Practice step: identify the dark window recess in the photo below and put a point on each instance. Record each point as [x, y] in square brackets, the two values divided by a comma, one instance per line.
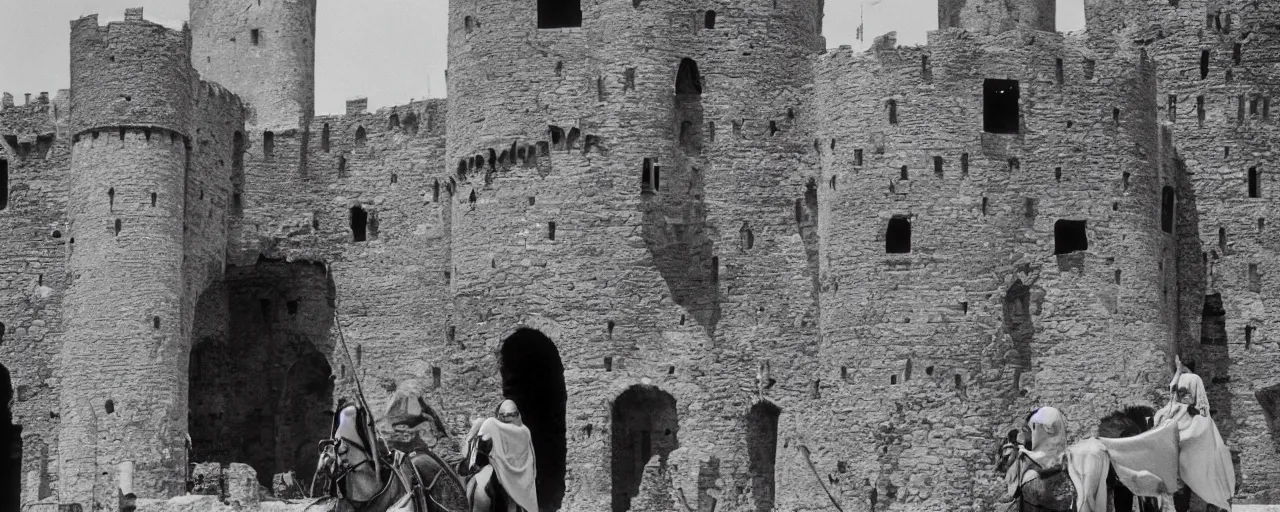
[926, 72]
[1204, 64]
[857, 157]
[688, 79]
[985, 203]
[255, 35]
[1089, 66]
[1069, 236]
[1167, 204]
[435, 376]
[937, 165]
[435, 191]
[904, 174]
[559, 13]
[964, 163]
[551, 230]
[1235, 53]
[1059, 74]
[359, 223]
[268, 144]
[361, 136]
[1222, 241]
[1200, 108]
[153, 199]
[4, 184]
[709, 20]
[715, 269]
[1000, 106]
[1213, 321]
[1255, 185]
[342, 166]
[897, 239]
[892, 105]
[1173, 108]
[118, 226]
[324, 138]
[646, 177]
[394, 121]
[1057, 174]
[657, 177]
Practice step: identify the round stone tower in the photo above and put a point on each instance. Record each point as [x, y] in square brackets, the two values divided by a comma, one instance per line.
[124, 352]
[262, 51]
[655, 152]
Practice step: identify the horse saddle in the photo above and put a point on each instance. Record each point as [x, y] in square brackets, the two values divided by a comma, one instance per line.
[1051, 491]
[414, 499]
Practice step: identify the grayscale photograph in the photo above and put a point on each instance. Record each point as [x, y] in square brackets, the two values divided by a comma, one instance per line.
[639, 256]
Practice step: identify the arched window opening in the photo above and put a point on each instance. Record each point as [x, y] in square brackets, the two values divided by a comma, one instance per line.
[1213, 321]
[709, 20]
[4, 184]
[394, 121]
[1070, 236]
[324, 138]
[268, 144]
[897, 238]
[1018, 323]
[1167, 204]
[1000, 112]
[533, 378]
[361, 136]
[1255, 187]
[10, 447]
[645, 425]
[559, 13]
[762, 448]
[688, 79]
[359, 223]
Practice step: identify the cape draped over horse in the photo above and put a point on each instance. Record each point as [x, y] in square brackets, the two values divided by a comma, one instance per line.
[369, 478]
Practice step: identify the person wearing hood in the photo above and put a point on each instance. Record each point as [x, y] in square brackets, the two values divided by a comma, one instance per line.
[501, 449]
[1204, 462]
[1043, 456]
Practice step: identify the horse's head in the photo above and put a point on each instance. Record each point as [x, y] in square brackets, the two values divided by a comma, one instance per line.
[1008, 453]
[350, 458]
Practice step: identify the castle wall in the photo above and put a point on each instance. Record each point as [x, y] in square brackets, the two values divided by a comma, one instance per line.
[1217, 110]
[641, 283]
[947, 346]
[34, 149]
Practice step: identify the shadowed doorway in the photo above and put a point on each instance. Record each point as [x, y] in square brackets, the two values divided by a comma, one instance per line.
[533, 378]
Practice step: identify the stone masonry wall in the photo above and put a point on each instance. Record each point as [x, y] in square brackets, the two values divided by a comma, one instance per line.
[1219, 70]
[34, 147]
[651, 282]
[942, 349]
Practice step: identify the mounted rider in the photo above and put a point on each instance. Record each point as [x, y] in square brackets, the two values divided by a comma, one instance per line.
[500, 452]
[1204, 462]
[1041, 459]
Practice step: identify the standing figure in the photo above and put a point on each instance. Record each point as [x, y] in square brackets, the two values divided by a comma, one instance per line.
[500, 450]
[1204, 463]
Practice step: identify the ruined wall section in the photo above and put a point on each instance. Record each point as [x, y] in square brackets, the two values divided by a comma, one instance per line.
[35, 154]
[392, 286]
[262, 51]
[1219, 67]
[647, 279]
[124, 356]
[940, 349]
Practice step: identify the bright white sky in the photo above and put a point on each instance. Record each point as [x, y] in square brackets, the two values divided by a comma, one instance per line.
[391, 51]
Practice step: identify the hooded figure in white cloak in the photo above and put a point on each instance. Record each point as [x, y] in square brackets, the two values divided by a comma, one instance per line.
[1047, 430]
[1204, 462]
[502, 449]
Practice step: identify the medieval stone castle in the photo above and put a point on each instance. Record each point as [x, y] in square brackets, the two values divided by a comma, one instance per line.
[719, 266]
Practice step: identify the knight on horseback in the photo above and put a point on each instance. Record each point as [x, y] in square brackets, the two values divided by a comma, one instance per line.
[500, 454]
[1035, 466]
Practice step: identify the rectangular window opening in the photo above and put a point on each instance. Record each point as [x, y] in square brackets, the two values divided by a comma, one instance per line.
[324, 138]
[268, 144]
[255, 35]
[1070, 236]
[1166, 209]
[4, 184]
[1255, 187]
[857, 157]
[937, 165]
[1059, 74]
[1173, 108]
[1204, 64]
[1000, 100]
[559, 13]
[1200, 108]
[897, 238]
